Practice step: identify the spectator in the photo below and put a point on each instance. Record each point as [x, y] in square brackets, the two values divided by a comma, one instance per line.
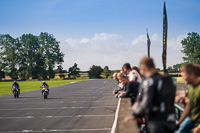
[124, 81]
[122, 85]
[191, 114]
[156, 100]
[115, 77]
[119, 75]
[132, 74]
[196, 129]
[131, 91]
[136, 68]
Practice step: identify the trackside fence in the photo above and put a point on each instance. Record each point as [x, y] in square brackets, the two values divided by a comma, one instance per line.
[178, 110]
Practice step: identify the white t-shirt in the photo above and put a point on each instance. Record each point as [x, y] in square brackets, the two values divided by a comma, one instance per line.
[134, 76]
[120, 85]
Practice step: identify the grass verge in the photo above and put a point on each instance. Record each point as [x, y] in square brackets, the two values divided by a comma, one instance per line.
[5, 87]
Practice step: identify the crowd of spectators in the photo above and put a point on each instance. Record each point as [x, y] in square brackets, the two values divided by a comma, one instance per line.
[153, 97]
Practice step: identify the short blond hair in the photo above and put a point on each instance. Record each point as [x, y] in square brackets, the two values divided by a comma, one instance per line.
[147, 62]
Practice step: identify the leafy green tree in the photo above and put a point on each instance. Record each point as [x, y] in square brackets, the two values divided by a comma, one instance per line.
[60, 71]
[191, 48]
[9, 48]
[176, 67]
[106, 71]
[112, 72]
[29, 56]
[51, 52]
[158, 69]
[74, 70]
[2, 74]
[2, 71]
[95, 71]
[170, 69]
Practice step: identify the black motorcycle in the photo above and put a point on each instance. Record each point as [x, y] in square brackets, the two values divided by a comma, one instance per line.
[15, 90]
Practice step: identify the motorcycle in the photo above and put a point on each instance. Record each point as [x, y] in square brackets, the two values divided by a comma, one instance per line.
[15, 90]
[45, 91]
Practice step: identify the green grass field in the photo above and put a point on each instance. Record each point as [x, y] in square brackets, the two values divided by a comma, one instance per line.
[5, 87]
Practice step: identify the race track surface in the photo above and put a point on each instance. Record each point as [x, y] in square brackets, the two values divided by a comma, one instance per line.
[86, 106]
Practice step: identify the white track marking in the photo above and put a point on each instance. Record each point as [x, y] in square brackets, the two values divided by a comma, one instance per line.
[61, 108]
[59, 130]
[116, 117]
[26, 131]
[61, 102]
[76, 116]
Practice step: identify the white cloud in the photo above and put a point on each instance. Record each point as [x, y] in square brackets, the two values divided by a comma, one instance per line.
[112, 50]
[175, 43]
[84, 40]
[106, 36]
[139, 40]
[154, 37]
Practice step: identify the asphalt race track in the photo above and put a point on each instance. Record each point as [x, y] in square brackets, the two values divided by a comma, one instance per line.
[86, 106]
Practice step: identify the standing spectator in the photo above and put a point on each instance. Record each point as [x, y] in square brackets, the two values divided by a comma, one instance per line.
[132, 74]
[191, 114]
[157, 100]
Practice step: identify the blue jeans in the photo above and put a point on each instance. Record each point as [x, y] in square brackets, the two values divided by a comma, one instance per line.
[186, 126]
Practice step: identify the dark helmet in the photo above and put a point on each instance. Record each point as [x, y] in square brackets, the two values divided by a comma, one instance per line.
[43, 82]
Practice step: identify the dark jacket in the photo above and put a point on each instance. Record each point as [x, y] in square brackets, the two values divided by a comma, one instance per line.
[15, 84]
[157, 99]
[132, 91]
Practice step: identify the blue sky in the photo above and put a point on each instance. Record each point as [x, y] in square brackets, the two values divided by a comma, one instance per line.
[104, 32]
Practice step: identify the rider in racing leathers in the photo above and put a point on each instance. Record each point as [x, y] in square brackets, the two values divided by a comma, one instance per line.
[45, 84]
[16, 84]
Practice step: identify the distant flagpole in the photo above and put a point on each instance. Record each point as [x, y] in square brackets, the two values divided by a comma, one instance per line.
[164, 54]
[148, 44]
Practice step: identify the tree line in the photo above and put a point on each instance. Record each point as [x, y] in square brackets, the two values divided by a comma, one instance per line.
[191, 49]
[29, 56]
[36, 56]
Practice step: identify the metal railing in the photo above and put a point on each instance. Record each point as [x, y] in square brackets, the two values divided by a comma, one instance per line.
[178, 110]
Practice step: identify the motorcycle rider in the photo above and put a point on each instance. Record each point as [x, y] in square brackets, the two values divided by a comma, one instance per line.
[45, 84]
[16, 84]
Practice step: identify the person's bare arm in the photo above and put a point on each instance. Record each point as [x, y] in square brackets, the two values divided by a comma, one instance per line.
[180, 95]
[196, 130]
[185, 112]
[135, 105]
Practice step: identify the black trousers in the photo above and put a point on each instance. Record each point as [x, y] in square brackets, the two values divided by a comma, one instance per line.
[160, 127]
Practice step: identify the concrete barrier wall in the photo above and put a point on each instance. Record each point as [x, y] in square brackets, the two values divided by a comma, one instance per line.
[124, 111]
